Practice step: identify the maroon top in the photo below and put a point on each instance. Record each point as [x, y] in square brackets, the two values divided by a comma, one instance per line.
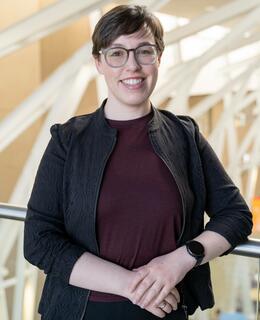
[139, 208]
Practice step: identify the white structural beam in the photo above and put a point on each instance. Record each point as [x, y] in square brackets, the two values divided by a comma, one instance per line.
[229, 68]
[189, 74]
[202, 107]
[231, 136]
[20, 276]
[152, 4]
[190, 71]
[100, 82]
[30, 292]
[253, 172]
[232, 37]
[207, 103]
[222, 14]
[166, 84]
[45, 22]
[3, 301]
[254, 161]
[251, 134]
[156, 5]
[234, 108]
[245, 41]
[64, 12]
[63, 109]
[41, 100]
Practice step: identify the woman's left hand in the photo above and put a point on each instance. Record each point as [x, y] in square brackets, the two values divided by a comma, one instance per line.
[163, 273]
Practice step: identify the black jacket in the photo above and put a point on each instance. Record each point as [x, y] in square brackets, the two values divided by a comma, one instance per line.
[60, 222]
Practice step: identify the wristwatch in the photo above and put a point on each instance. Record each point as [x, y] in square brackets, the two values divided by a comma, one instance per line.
[196, 250]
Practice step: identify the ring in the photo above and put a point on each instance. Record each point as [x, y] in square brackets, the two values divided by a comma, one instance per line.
[162, 305]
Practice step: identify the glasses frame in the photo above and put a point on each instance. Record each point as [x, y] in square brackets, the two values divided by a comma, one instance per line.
[104, 52]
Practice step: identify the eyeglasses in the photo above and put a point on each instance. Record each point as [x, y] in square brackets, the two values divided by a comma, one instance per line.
[117, 57]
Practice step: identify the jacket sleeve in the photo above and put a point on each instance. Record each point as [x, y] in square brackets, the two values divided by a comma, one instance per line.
[228, 211]
[46, 243]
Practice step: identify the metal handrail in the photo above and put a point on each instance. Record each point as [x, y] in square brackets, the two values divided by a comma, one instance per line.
[249, 249]
[13, 212]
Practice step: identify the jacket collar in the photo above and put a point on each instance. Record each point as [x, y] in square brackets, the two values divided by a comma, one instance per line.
[103, 126]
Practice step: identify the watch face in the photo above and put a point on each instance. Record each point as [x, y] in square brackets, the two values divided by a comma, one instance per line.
[196, 248]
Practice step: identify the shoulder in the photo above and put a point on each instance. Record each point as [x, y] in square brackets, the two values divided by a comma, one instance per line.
[186, 123]
[72, 127]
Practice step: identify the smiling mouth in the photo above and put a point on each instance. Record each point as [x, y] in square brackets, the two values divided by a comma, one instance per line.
[132, 82]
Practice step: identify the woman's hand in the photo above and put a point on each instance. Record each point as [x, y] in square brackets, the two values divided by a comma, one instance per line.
[155, 280]
[170, 303]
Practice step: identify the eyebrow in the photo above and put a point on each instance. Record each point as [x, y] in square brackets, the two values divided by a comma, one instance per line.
[139, 44]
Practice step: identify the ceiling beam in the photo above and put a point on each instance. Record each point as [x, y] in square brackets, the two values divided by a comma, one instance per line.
[44, 22]
[41, 100]
[222, 14]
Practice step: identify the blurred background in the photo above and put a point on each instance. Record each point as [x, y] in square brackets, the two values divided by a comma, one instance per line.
[210, 70]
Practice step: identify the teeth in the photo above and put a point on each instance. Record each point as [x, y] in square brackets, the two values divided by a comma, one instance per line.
[132, 81]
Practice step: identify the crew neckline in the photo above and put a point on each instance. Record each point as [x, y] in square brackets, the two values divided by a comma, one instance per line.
[127, 123]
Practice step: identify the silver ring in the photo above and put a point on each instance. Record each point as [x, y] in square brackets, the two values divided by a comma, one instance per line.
[162, 305]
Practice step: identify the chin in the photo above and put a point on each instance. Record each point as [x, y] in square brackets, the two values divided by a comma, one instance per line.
[134, 101]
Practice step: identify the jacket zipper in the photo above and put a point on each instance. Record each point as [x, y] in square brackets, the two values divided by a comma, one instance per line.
[176, 181]
[184, 306]
[85, 307]
[95, 210]
[99, 184]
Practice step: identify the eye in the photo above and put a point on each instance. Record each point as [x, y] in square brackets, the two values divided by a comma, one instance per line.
[116, 53]
[146, 51]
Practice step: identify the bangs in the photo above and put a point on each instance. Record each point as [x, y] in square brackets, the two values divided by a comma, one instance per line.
[126, 20]
[124, 27]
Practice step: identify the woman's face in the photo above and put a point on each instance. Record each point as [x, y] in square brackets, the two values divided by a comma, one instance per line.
[133, 83]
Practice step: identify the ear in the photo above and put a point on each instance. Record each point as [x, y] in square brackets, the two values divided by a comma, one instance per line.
[159, 59]
[99, 64]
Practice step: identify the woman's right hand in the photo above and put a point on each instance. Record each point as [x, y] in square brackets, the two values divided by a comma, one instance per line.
[170, 303]
[172, 299]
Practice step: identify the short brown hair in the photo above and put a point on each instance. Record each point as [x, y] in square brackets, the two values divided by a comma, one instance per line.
[125, 20]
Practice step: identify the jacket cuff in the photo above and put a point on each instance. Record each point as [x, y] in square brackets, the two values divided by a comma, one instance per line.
[67, 261]
[225, 232]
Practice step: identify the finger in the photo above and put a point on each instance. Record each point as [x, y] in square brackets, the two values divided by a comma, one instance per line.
[162, 295]
[139, 276]
[159, 313]
[171, 300]
[167, 308]
[151, 294]
[141, 289]
[156, 311]
[175, 292]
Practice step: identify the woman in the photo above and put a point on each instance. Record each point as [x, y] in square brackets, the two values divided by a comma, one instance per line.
[115, 218]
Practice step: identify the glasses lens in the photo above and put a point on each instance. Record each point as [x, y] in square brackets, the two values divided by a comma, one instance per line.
[116, 57]
[146, 54]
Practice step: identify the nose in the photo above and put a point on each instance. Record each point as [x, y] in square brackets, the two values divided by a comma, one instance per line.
[132, 63]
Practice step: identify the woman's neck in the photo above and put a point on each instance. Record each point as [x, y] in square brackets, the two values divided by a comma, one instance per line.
[117, 111]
